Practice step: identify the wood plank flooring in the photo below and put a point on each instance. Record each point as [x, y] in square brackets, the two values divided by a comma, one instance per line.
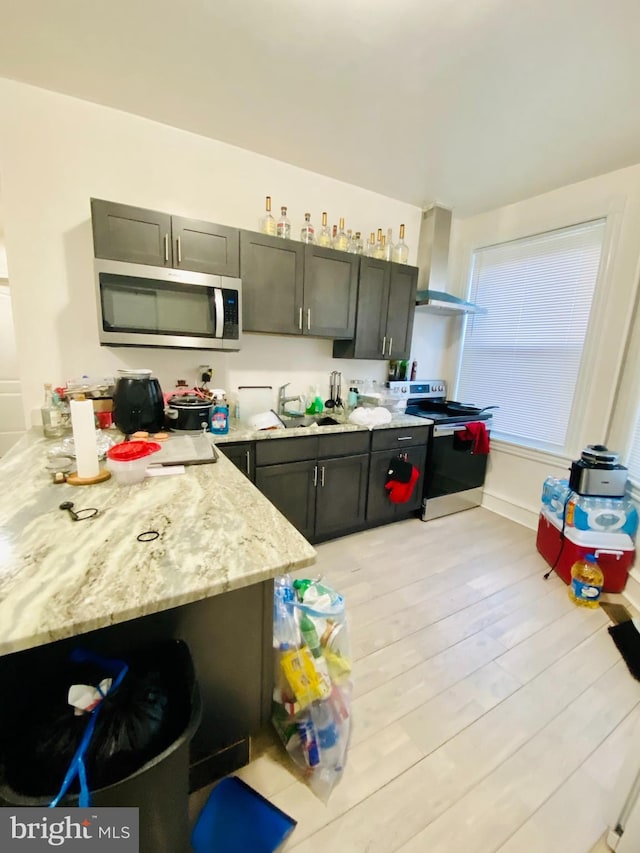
[489, 713]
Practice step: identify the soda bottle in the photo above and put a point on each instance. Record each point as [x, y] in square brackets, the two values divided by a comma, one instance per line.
[587, 581]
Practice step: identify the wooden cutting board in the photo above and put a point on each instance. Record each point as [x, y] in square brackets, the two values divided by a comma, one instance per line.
[254, 399]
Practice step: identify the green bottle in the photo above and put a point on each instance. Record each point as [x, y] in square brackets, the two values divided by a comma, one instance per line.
[310, 635]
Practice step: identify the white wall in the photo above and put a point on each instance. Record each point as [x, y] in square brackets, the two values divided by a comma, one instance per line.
[11, 404]
[608, 389]
[56, 152]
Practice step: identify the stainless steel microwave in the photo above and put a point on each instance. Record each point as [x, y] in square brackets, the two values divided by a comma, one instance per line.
[145, 306]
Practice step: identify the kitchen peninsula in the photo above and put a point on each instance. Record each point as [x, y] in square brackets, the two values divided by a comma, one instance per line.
[206, 578]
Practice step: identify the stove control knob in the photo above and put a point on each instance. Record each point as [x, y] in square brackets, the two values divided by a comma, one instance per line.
[404, 389]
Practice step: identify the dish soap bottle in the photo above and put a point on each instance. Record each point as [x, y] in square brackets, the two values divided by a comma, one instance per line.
[587, 581]
[316, 405]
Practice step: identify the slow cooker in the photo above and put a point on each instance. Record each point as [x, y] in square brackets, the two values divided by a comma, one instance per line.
[188, 412]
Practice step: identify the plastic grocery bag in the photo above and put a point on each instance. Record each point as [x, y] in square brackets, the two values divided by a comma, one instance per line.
[312, 679]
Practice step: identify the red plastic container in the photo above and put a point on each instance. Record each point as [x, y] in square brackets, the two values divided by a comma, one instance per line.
[615, 551]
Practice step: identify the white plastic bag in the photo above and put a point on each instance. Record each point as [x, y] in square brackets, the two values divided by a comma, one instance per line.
[312, 679]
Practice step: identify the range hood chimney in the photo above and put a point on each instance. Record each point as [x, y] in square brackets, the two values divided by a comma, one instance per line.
[433, 263]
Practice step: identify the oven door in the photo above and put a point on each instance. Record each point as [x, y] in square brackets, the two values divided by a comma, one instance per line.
[454, 478]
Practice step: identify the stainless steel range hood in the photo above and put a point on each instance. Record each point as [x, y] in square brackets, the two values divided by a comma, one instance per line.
[433, 263]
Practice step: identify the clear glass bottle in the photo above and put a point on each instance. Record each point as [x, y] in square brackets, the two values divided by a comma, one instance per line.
[334, 234]
[352, 246]
[268, 223]
[359, 245]
[283, 227]
[401, 250]
[341, 241]
[308, 232]
[324, 237]
[371, 245]
[52, 422]
[388, 245]
[379, 249]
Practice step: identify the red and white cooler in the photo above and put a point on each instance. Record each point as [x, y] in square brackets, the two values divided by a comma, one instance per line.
[615, 552]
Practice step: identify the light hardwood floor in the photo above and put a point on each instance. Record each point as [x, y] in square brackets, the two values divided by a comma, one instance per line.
[489, 713]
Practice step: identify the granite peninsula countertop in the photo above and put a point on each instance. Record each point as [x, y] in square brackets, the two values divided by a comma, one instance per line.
[60, 578]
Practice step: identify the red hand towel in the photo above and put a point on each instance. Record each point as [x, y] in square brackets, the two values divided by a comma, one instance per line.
[400, 493]
[477, 433]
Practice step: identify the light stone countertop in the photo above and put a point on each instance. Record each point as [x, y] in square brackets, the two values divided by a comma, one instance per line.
[60, 578]
[240, 432]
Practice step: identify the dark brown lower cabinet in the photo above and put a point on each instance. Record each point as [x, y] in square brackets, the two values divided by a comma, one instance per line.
[379, 508]
[243, 457]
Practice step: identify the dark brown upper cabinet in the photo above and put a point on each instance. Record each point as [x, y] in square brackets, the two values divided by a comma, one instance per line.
[385, 312]
[125, 233]
[295, 289]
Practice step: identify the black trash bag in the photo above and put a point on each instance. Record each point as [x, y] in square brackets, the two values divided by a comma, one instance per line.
[139, 720]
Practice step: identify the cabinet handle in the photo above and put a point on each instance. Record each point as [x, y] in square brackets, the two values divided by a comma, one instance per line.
[405, 438]
[248, 463]
[300, 319]
[390, 345]
[322, 476]
[315, 476]
[308, 319]
[166, 247]
[179, 247]
[384, 344]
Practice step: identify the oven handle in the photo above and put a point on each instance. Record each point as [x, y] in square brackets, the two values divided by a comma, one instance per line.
[448, 429]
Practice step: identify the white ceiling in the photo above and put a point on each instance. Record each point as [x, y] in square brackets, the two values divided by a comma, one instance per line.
[471, 103]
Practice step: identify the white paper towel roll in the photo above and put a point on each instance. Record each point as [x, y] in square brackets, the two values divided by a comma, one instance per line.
[84, 438]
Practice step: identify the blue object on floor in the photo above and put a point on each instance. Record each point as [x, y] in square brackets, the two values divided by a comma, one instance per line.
[237, 819]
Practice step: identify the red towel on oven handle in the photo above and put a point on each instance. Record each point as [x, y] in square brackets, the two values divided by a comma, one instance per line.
[476, 432]
[400, 493]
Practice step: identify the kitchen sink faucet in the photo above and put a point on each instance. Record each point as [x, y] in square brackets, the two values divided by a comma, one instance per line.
[283, 400]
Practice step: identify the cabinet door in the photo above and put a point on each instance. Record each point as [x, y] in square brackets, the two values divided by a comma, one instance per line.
[291, 488]
[124, 233]
[341, 494]
[402, 306]
[330, 290]
[272, 271]
[205, 247]
[379, 507]
[242, 455]
[373, 304]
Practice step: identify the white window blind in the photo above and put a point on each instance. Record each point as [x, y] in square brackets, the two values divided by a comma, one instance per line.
[524, 355]
[633, 462]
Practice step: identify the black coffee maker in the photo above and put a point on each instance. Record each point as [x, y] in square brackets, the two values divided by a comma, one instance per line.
[138, 403]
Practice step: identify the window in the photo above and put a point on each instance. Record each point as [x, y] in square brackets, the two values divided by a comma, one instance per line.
[524, 354]
[633, 462]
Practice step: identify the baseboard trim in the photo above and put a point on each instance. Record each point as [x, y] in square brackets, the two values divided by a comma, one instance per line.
[507, 508]
[632, 589]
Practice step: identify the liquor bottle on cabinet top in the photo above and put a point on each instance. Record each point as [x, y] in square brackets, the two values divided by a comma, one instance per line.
[352, 245]
[341, 241]
[401, 250]
[268, 223]
[388, 246]
[324, 237]
[283, 227]
[359, 245]
[371, 246]
[334, 234]
[308, 232]
[379, 249]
